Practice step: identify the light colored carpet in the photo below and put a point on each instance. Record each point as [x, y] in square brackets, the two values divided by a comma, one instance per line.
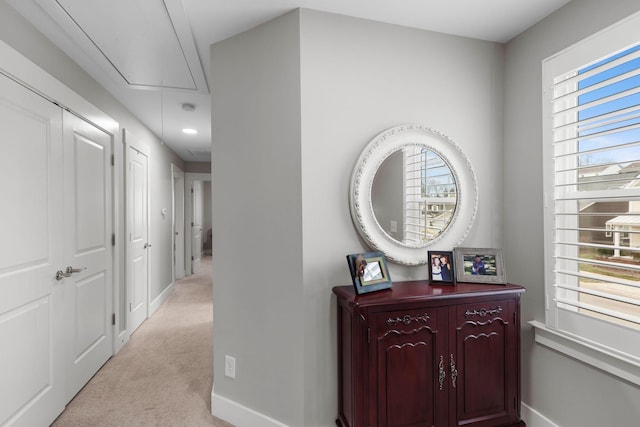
[163, 375]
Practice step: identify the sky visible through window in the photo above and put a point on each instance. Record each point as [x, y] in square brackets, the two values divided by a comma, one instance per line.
[608, 115]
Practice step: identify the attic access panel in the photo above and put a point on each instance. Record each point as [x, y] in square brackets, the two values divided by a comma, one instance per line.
[136, 37]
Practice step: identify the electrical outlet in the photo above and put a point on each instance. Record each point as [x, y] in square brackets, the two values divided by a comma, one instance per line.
[230, 366]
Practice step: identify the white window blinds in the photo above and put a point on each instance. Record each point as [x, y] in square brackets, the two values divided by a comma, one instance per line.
[596, 190]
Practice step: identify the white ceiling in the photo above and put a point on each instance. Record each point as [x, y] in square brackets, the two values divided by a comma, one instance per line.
[153, 55]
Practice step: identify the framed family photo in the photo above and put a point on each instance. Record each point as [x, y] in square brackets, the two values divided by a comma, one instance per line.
[441, 269]
[480, 265]
[369, 272]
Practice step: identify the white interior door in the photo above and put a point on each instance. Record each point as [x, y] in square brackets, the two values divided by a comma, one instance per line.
[138, 234]
[196, 226]
[31, 251]
[88, 289]
[178, 222]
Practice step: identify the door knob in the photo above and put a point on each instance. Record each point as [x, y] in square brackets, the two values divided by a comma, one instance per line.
[147, 245]
[71, 270]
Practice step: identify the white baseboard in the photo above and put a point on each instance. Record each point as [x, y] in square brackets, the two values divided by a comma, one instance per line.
[534, 418]
[238, 415]
[156, 303]
[120, 340]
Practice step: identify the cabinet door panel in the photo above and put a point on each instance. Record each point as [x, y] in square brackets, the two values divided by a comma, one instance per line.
[484, 392]
[408, 347]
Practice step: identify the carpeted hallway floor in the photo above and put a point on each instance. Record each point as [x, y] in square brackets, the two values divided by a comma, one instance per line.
[163, 375]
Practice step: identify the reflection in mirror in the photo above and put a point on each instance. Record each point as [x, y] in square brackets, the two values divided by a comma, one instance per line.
[414, 195]
[372, 271]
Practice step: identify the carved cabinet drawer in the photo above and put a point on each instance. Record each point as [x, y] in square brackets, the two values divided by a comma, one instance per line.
[419, 355]
[483, 311]
[405, 320]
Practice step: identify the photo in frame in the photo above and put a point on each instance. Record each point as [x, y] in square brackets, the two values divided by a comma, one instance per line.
[369, 272]
[441, 268]
[480, 265]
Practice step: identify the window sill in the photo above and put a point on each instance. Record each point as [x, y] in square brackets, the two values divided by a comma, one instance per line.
[604, 358]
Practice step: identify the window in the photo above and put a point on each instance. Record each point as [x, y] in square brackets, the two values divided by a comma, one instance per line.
[592, 192]
[596, 138]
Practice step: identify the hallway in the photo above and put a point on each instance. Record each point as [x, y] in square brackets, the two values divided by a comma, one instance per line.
[163, 375]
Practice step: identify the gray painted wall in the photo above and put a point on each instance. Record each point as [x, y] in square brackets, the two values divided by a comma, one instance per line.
[197, 167]
[23, 37]
[566, 391]
[257, 219]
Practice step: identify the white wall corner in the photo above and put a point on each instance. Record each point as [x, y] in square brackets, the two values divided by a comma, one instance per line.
[534, 418]
[238, 415]
[156, 303]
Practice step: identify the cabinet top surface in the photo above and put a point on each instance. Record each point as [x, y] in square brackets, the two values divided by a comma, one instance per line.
[423, 290]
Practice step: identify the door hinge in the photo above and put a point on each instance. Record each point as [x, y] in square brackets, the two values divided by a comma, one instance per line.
[191, 190]
[192, 258]
[192, 223]
[113, 160]
[368, 335]
[113, 239]
[113, 319]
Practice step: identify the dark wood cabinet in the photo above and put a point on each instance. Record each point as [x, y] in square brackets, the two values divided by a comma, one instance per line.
[426, 355]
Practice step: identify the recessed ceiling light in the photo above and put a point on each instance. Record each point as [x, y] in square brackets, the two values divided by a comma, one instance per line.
[189, 131]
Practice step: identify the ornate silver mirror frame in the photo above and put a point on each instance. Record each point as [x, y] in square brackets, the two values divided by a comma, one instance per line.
[360, 196]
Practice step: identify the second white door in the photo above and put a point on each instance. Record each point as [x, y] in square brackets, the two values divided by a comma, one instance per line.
[87, 290]
[138, 235]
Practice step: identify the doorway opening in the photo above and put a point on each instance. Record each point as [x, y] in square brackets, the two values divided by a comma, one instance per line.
[198, 218]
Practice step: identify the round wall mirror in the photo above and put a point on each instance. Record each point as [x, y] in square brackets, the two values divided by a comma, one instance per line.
[413, 188]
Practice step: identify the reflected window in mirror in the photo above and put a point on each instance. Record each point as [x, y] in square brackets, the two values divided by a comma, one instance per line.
[414, 195]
